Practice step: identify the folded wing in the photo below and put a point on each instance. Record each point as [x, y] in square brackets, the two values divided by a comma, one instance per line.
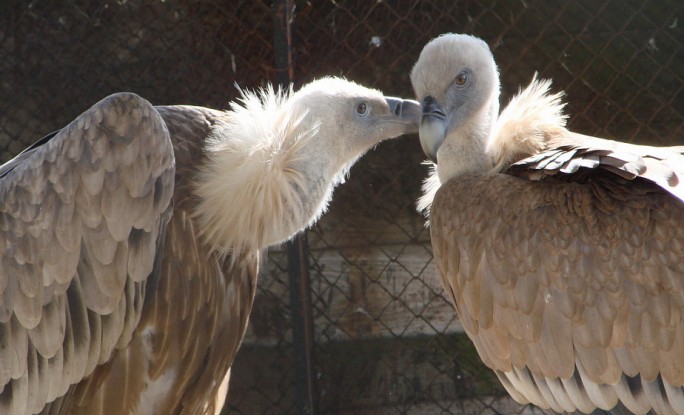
[82, 214]
[574, 153]
[569, 279]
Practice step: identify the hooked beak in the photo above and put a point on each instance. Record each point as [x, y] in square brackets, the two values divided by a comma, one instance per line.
[407, 111]
[433, 126]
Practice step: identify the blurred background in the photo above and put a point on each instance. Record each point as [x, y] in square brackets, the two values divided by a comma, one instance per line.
[355, 320]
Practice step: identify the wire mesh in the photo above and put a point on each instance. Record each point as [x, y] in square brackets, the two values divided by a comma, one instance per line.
[387, 340]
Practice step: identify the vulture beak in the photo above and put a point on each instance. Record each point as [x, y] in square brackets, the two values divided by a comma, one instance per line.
[433, 126]
[407, 111]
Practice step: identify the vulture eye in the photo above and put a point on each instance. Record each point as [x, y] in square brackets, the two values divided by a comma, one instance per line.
[461, 79]
[362, 108]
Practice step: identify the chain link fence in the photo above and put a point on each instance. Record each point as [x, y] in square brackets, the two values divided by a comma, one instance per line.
[385, 338]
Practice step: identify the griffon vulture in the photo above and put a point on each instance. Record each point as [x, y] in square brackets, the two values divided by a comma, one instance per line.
[130, 240]
[563, 253]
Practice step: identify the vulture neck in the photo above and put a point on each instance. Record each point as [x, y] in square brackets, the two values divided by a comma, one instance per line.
[464, 149]
[267, 177]
[489, 142]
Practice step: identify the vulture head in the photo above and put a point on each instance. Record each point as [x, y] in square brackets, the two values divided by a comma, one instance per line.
[457, 82]
[283, 152]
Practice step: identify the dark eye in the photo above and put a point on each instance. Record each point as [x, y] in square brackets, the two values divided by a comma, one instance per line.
[461, 79]
[362, 108]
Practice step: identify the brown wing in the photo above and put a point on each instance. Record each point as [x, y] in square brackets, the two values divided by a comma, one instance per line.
[81, 219]
[195, 313]
[215, 315]
[572, 292]
[573, 154]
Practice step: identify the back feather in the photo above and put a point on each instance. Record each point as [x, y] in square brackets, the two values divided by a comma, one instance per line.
[527, 124]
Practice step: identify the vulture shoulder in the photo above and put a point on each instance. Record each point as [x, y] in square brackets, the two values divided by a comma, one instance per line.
[82, 214]
[569, 277]
[200, 300]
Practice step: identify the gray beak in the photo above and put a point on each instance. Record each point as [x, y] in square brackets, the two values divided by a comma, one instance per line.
[407, 110]
[433, 126]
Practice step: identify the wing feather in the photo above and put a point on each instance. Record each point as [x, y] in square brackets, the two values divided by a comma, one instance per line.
[77, 337]
[51, 328]
[570, 152]
[580, 297]
[675, 396]
[80, 216]
[163, 369]
[576, 393]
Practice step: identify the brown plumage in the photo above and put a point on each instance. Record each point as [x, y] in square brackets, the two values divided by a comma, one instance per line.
[130, 240]
[563, 253]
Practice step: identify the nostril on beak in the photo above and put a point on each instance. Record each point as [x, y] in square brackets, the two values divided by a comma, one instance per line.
[397, 109]
[428, 100]
[432, 107]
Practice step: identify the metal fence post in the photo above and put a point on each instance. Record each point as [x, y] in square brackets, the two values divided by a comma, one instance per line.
[297, 250]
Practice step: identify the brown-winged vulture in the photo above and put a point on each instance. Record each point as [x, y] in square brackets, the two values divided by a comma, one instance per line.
[563, 253]
[130, 240]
